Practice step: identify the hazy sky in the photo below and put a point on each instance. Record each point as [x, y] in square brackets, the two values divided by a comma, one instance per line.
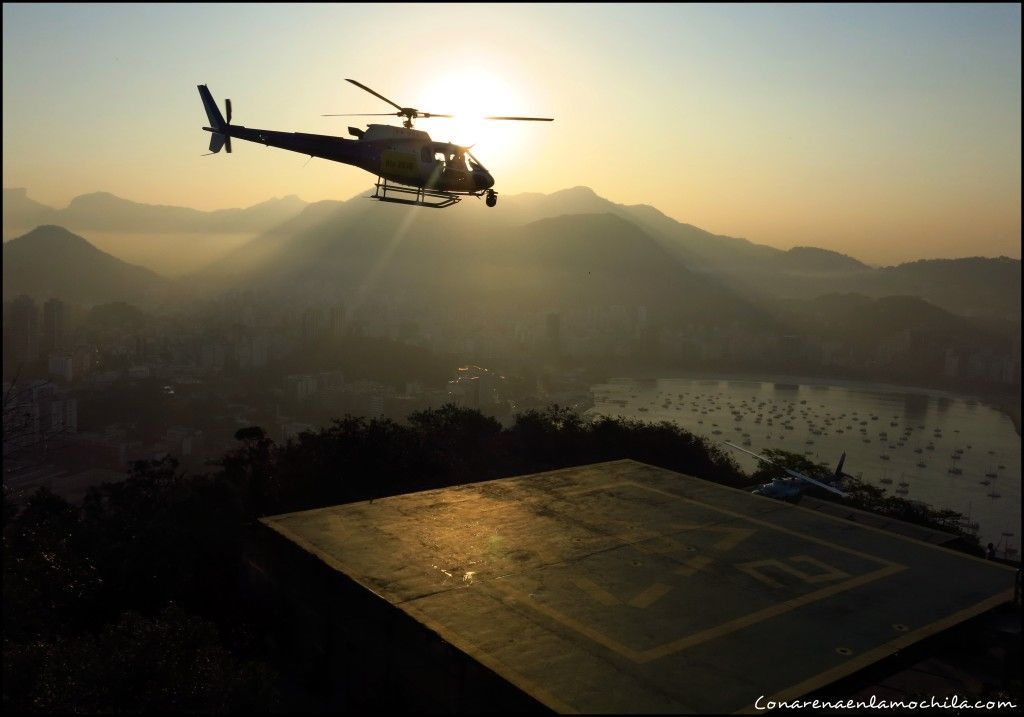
[887, 132]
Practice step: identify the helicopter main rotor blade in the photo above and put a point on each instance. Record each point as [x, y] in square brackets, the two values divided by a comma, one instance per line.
[765, 459]
[524, 119]
[418, 115]
[791, 472]
[375, 94]
[826, 486]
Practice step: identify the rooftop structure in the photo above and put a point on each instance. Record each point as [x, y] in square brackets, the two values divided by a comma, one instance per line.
[622, 587]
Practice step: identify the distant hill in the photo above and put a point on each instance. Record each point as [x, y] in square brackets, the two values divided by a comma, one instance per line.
[353, 232]
[814, 260]
[974, 286]
[102, 211]
[452, 258]
[970, 286]
[268, 246]
[169, 240]
[979, 287]
[863, 322]
[700, 248]
[50, 262]
[697, 248]
[857, 314]
[603, 259]
[532, 206]
[694, 247]
[22, 213]
[108, 212]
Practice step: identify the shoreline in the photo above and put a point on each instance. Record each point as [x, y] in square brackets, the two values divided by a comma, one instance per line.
[1010, 409]
[1003, 404]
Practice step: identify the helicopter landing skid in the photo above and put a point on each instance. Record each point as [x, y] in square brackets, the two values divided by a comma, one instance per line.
[421, 197]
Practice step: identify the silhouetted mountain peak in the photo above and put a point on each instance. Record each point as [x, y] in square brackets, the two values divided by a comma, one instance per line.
[584, 221]
[909, 303]
[50, 237]
[97, 198]
[52, 261]
[22, 212]
[967, 262]
[291, 201]
[648, 212]
[811, 258]
[19, 196]
[578, 200]
[578, 191]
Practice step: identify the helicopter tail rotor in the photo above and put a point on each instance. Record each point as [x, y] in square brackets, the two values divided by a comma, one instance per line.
[227, 137]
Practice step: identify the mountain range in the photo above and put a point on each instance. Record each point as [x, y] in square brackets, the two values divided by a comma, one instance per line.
[105, 212]
[173, 241]
[567, 248]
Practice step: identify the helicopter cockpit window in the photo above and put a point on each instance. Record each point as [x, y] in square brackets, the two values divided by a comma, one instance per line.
[439, 157]
[457, 162]
[475, 163]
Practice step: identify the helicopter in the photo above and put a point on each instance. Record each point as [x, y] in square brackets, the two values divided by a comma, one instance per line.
[790, 489]
[407, 163]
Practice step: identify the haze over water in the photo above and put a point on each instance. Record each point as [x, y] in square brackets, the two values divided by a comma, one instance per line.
[827, 420]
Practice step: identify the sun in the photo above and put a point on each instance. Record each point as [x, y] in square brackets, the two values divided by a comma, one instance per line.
[471, 95]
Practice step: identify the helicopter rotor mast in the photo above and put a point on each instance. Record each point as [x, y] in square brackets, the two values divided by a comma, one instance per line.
[411, 113]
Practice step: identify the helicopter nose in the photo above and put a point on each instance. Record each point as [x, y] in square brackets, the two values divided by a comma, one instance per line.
[483, 180]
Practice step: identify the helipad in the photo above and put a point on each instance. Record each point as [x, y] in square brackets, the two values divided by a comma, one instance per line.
[621, 587]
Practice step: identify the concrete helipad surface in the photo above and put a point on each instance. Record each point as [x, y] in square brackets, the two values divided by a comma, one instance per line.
[621, 587]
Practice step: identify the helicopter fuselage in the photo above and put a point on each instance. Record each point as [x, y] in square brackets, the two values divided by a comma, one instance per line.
[401, 155]
[788, 489]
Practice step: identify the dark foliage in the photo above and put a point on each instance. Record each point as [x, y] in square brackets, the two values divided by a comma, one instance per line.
[137, 665]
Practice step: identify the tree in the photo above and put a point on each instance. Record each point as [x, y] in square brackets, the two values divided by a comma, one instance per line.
[172, 662]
